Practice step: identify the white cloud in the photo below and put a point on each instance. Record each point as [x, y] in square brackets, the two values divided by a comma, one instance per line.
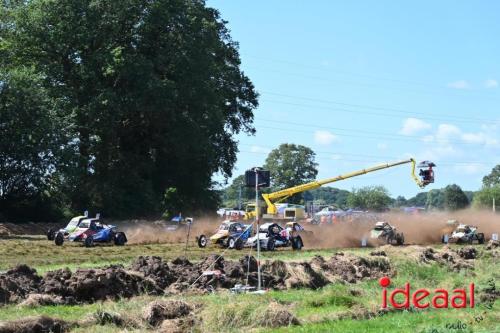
[446, 132]
[491, 83]
[460, 84]
[259, 149]
[428, 138]
[324, 137]
[470, 168]
[336, 157]
[413, 125]
[382, 146]
[474, 138]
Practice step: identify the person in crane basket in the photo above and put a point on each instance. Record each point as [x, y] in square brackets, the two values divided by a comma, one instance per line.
[427, 174]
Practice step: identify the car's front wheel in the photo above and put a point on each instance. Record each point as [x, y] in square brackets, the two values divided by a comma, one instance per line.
[59, 239]
[120, 239]
[231, 242]
[202, 241]
[89, 241]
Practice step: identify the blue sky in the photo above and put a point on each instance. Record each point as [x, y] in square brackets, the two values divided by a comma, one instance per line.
[362, 82]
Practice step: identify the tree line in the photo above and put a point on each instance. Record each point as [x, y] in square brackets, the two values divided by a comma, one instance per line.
[123, 107]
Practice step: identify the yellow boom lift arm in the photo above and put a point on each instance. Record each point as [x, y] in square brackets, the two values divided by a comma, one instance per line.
[272, 198]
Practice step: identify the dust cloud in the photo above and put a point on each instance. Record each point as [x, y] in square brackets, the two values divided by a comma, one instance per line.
[421, 229]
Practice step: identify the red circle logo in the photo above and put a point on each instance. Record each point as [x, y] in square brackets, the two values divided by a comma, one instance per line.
[384, 281]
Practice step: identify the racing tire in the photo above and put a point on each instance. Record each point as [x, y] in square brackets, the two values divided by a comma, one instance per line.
[389, 240]
[400, 239]
[239, 244]
[271, 244]
[59, 239]
[120, 239]
[89, 241]
[297, 243]
[51, 234]
[480, 238]
[202, 241]
[231, 243]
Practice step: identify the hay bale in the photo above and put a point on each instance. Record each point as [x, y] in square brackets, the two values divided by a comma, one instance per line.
[41, 324]
[468, 252]
[35, 300]
[156, 312]
[277, 315]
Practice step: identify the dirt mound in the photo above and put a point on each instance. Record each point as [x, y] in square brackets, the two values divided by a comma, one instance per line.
[31, 228]
[468, 252]
[156, 269]
[492, 244]
[35, 300]
[350, 268]
[179, 325]
[35, 325]
[17, 283]
[452, 259]
[89, 285]
[152, 275]
[158, 311]
[277, 315]
[378, 253]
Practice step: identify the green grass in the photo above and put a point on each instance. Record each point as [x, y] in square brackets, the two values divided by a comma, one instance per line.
[317, 310]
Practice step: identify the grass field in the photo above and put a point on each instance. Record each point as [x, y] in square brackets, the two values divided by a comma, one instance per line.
[338, 307]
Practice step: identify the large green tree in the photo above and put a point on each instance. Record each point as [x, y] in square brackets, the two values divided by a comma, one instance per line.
[291, 165]
[327, 195]
[231, 194]
[419, 200]
[370, 197]
[435, 199]
[454, 198]
[493, 178]
[490, 191]
[153, 92]
[486, 196]
[29, 144]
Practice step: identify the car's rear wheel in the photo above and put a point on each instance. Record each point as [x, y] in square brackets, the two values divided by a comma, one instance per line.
[400, 239]
[89, 241]
[239, 244]
[59, 239]
[202, 241]
[120, 239]
[480, 238]
[271, 244]
[297, 243]
[389, 239]
[51, 234]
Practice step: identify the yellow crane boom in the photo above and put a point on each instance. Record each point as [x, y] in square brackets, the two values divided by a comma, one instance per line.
[272, 198]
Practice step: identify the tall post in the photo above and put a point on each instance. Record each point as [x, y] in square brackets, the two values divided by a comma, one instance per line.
[494, 206]
[258, 225]
[239, 198]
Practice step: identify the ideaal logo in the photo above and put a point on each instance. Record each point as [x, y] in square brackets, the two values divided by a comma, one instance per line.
[424, 298]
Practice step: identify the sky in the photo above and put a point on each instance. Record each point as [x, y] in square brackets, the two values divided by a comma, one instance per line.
[364, 82]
